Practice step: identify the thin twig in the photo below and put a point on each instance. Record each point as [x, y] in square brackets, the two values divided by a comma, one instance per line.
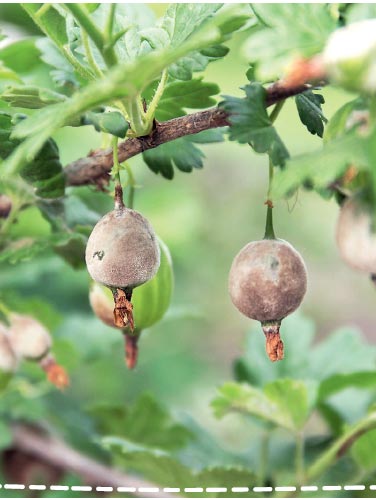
[52, 450]
[94, 167]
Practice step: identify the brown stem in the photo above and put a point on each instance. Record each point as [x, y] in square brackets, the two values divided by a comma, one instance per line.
[56, 453]
[119, 202]
[94, 168]
[274, 344]
[131, 350]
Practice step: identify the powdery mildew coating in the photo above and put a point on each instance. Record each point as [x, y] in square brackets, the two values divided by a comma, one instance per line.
[122, 250]
[268, 280]
[28, 338]
[355, 240]
[8, 360]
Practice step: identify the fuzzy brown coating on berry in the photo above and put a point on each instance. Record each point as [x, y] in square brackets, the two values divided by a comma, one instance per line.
[28, 338]
[355, 240]
[8, 360]
[268, 280]
[122, 251]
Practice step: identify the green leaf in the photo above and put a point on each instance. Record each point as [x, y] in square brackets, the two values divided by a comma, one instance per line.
[194, 94]
[49, 21]
[358, 12]
[146, 423]
[6, 436]
[63, 73]
[45, 171]
[179, 23]
[111, 122]
[124, 81]
[310, 113]
[296, 362]
[340, 381]
[250, 123]
[27, 248]
[8, 74]
[341, 122]
[363, 451]
[283, 402]
[21, 56]
[321, 168]
[352, 354]
[181, 153]
[91, 7]
[181, 20]
[166, 470]
[342, 361]
[275, 45]
[344, 352]
[341, 445]
[31, 97]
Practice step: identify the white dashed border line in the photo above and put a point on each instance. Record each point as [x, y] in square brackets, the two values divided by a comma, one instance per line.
[195, 489]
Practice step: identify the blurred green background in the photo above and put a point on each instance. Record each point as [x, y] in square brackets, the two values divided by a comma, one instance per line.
[205, 218]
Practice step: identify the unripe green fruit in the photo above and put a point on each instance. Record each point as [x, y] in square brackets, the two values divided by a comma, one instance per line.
[267, 282]
[350, 56]
[28, 338]
[122, 251]
[355, 240]
[150, 301]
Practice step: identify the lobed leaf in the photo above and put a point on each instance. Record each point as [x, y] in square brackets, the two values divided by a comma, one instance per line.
[180, 153]
[49, 20]
[44, 171]
[251, 124]
[310, 113]
[124, 81]
[178, 95]
[275, 45]
[31, 97]
[27, 248]
[283, 402]
[341, 362]
[166, 470]
[321, 168]
[133, 423]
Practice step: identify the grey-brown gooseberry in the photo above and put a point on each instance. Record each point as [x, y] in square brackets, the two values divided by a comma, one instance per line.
[267, 282]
